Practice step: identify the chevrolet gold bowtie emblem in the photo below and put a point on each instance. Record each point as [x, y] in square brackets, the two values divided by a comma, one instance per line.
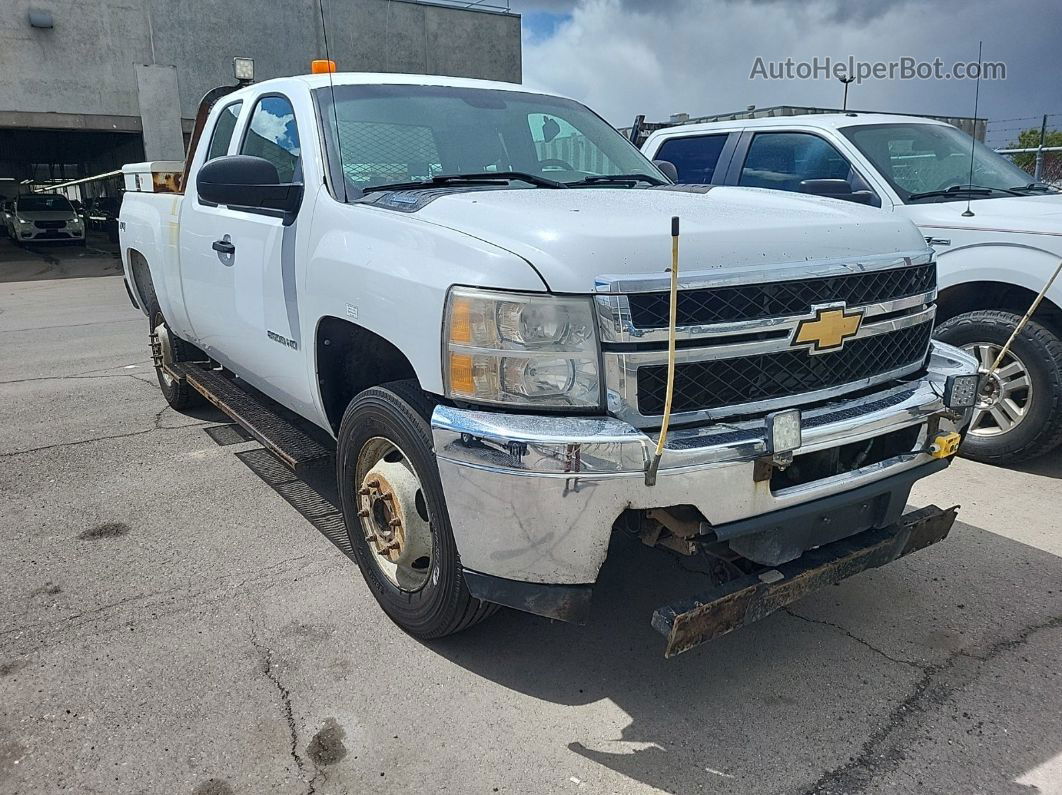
[828, 330]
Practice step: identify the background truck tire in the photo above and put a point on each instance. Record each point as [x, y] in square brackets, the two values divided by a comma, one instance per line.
[1039, 352]
[399, 413]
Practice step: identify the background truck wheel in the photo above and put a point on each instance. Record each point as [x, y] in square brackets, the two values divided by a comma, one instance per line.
[1019, 413]
[177, 392]
[396, 516]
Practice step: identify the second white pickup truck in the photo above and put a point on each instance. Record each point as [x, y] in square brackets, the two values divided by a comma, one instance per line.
[997, 235]
[464, 285]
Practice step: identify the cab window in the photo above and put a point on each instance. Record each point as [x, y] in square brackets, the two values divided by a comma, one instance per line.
[695, 158]
[222, 135]
[783, 160]
[273, 135]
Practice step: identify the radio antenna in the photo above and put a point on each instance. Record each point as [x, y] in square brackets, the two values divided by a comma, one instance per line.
[332, 92]
[968, 213]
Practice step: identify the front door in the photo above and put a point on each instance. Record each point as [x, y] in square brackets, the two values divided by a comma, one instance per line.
[242, 296]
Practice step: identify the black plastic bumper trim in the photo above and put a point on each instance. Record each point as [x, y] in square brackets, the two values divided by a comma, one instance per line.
[562, 602]
[799, 514]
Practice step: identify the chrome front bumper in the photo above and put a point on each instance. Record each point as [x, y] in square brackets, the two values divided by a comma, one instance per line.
[534, 498]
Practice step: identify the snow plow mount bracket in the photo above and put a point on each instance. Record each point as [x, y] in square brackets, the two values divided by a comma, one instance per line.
[691, 622]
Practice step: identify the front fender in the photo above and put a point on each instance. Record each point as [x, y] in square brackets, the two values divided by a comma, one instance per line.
[1021, 263]
[389, 273]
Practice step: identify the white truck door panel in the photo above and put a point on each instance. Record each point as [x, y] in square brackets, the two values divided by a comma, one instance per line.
[244, 299]
[208, 278]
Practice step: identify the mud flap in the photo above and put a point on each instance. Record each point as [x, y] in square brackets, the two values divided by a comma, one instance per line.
[734, 604]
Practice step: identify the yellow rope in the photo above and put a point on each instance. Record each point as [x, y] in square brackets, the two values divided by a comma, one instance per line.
[654, 465]
[672, 321]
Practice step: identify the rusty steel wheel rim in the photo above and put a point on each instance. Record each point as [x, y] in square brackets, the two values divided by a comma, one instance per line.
[392, 514]
[166, 345]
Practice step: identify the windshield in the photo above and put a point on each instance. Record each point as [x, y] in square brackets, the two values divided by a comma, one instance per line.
[924, 158]
[396, 134]
[31, 204]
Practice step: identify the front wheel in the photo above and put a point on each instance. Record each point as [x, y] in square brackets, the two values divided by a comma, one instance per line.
[1019, 411]
[395, 513]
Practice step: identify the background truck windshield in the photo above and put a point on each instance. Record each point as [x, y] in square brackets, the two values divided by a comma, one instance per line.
[394, 133]
[920, 158]
[31, 204]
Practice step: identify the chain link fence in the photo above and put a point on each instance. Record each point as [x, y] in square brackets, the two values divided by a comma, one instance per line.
[1033, 143]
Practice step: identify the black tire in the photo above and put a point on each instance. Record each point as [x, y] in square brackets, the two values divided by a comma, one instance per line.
[399, 412]
[1040, 430]
[178, 392]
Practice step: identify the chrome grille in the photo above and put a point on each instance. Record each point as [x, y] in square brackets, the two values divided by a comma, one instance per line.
[729, 382]
[778, 299]
[737, 351]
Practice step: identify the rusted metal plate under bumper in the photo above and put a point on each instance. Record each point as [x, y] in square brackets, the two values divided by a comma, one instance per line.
[734, 604]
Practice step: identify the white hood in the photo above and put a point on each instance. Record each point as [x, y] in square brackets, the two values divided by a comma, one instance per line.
[571, 237]
[1022, 214]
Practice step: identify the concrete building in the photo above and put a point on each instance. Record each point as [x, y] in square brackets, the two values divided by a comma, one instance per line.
[89, 86]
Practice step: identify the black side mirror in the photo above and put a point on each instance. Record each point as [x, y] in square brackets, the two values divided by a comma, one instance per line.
[839, 189]
[831, 188]
[668, 169]
[243, 181]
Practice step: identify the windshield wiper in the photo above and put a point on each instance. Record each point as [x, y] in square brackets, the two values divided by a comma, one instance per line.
[964, 190]
[479, 178]
[613, 179]
[1035, 187]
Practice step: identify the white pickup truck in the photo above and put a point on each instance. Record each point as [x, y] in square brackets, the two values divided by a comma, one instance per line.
[462, 288]
[992, 260]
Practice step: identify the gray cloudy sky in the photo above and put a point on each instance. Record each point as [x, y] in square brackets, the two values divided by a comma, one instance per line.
[663, 56]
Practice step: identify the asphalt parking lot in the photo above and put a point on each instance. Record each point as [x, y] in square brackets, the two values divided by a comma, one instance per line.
[171, 623]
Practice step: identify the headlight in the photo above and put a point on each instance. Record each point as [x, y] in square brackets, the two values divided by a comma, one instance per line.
[520, 349]
[24, 222]
[76, 221]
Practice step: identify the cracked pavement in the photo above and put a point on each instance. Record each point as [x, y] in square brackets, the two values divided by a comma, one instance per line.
[170, 624]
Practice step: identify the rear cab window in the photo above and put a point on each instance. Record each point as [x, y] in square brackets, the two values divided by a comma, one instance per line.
[695, 158]
[223, 129]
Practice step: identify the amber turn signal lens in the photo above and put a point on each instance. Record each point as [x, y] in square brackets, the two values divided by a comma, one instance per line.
[461, 321]
[461, 381]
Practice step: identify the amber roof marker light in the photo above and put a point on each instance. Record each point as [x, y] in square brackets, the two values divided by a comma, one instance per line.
[322, 66]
